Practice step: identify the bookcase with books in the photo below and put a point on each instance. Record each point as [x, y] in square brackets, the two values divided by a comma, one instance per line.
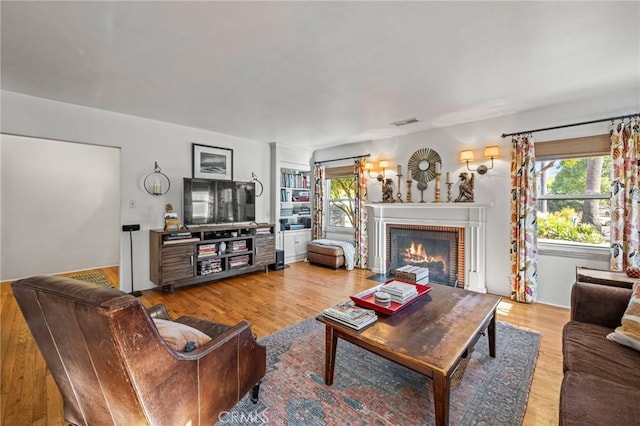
[292, 189]
[295, 201]
[208, 253]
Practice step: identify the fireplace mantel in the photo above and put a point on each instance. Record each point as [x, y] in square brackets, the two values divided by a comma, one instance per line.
[470, 216]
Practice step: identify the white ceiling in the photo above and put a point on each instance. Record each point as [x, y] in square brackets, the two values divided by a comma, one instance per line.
[319, 73]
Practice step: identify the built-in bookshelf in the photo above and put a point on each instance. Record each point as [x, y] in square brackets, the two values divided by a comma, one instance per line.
[295, 199]
[291, 202]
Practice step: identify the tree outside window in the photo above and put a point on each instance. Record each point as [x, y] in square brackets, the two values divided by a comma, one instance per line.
[574, 199]
[341, 211]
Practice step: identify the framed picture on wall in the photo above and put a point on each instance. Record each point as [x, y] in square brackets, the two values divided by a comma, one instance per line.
[210, 162]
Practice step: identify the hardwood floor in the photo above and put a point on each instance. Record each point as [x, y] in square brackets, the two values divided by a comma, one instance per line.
[269, 302]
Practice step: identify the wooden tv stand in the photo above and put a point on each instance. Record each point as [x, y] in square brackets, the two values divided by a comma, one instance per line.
[208, 253]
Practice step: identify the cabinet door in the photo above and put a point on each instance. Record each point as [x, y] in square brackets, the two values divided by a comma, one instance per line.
[265, 250]
[301, 243]
[289, 245]
[177, 262]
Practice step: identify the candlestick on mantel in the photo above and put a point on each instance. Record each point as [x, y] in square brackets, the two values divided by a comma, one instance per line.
[437, 197]
[449, 177]
[437, 167]
[399, 170]
[449, 185]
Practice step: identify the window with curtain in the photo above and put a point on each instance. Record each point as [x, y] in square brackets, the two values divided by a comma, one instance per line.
[573, 184]
[340, 190]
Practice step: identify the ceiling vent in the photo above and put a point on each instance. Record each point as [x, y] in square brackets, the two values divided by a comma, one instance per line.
[405, 122]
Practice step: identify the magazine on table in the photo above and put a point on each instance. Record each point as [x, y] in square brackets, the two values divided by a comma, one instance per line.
[349, 314]
[358, 326]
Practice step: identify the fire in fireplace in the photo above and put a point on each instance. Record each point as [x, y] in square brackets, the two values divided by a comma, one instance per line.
[438, 248]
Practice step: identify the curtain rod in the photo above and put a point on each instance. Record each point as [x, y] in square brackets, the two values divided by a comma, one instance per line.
[622, 117]
[343, 158]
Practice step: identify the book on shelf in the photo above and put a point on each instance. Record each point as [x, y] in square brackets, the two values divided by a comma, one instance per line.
[180, 241]
[177, 236]
[349, 314]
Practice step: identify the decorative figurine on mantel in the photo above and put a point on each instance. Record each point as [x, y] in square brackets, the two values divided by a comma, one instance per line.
[387, 191]
[466, 188]
[170, 218]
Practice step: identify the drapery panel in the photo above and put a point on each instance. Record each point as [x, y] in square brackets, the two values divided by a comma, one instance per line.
[361, 215]
[317, 230]
[524, 233]
[625, 194]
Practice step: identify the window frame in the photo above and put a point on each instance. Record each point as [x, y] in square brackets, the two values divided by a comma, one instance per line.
[564, 149]
[335, 173]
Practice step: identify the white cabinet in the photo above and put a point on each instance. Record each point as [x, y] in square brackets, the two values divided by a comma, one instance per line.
[295, 245]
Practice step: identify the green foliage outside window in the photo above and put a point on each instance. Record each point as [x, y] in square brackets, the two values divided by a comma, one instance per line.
[341, 202]
[562, 226]
[579, 176]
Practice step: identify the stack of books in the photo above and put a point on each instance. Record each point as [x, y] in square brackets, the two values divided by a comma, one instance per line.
[347, 313]
[205, 250]
[238, 245]
[263, 231]
[400, 292]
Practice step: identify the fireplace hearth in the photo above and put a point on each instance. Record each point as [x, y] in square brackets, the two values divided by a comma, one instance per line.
[438, 248]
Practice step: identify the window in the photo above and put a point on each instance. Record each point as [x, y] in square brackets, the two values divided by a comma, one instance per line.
[341, 192]
[573, 184]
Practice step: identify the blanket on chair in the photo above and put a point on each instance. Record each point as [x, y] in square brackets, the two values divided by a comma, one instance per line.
[348, 249]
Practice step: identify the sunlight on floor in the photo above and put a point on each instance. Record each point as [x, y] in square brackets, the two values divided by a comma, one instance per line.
[504, 307]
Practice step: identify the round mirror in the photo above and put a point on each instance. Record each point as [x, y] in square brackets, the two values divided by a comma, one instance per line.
[422, 164]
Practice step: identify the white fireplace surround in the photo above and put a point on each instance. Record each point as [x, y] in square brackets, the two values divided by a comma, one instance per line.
[470, 216]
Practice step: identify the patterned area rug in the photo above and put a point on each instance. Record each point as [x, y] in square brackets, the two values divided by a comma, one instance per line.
[369, 390]
[93, 277]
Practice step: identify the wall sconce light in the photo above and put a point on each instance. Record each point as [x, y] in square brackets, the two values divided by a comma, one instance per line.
[491, 152]
[383, 165]
[156, 182]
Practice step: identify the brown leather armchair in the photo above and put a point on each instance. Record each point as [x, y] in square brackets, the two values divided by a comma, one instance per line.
[112, 367]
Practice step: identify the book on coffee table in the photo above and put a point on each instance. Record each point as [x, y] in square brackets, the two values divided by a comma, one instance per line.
[349, 314]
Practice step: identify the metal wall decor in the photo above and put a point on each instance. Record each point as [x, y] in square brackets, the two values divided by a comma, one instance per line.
[422, 164]
[156, 182]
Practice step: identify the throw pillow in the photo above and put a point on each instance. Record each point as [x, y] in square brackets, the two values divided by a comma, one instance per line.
[180, 337]
[628, 333]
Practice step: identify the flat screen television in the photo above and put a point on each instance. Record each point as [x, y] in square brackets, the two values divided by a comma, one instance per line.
[211, 202]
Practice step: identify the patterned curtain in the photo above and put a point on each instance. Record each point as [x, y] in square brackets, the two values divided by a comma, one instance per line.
[524, 233]
[361, 215]
[625, 195]
[317, 231]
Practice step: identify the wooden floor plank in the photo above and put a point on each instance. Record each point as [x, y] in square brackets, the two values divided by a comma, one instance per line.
[269, 301]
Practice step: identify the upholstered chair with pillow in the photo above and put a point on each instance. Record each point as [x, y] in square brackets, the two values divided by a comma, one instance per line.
[116, 362]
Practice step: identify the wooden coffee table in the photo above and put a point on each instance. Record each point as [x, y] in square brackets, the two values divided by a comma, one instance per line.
[430, 336]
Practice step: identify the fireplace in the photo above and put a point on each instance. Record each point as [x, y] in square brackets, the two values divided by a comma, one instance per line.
[438, 248]
[451, 233]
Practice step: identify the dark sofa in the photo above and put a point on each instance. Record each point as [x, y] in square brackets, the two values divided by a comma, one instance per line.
[601, 383]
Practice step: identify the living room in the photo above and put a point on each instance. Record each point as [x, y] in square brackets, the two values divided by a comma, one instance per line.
[583, 91]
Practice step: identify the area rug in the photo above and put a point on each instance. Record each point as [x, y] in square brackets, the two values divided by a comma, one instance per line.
[370, 390]
[92, 277]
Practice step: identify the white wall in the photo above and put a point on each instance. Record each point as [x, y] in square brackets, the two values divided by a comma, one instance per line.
[62, 206]
[141, 142]
[556, 274]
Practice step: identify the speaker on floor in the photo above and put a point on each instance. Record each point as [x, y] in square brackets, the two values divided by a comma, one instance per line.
[279, 264]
